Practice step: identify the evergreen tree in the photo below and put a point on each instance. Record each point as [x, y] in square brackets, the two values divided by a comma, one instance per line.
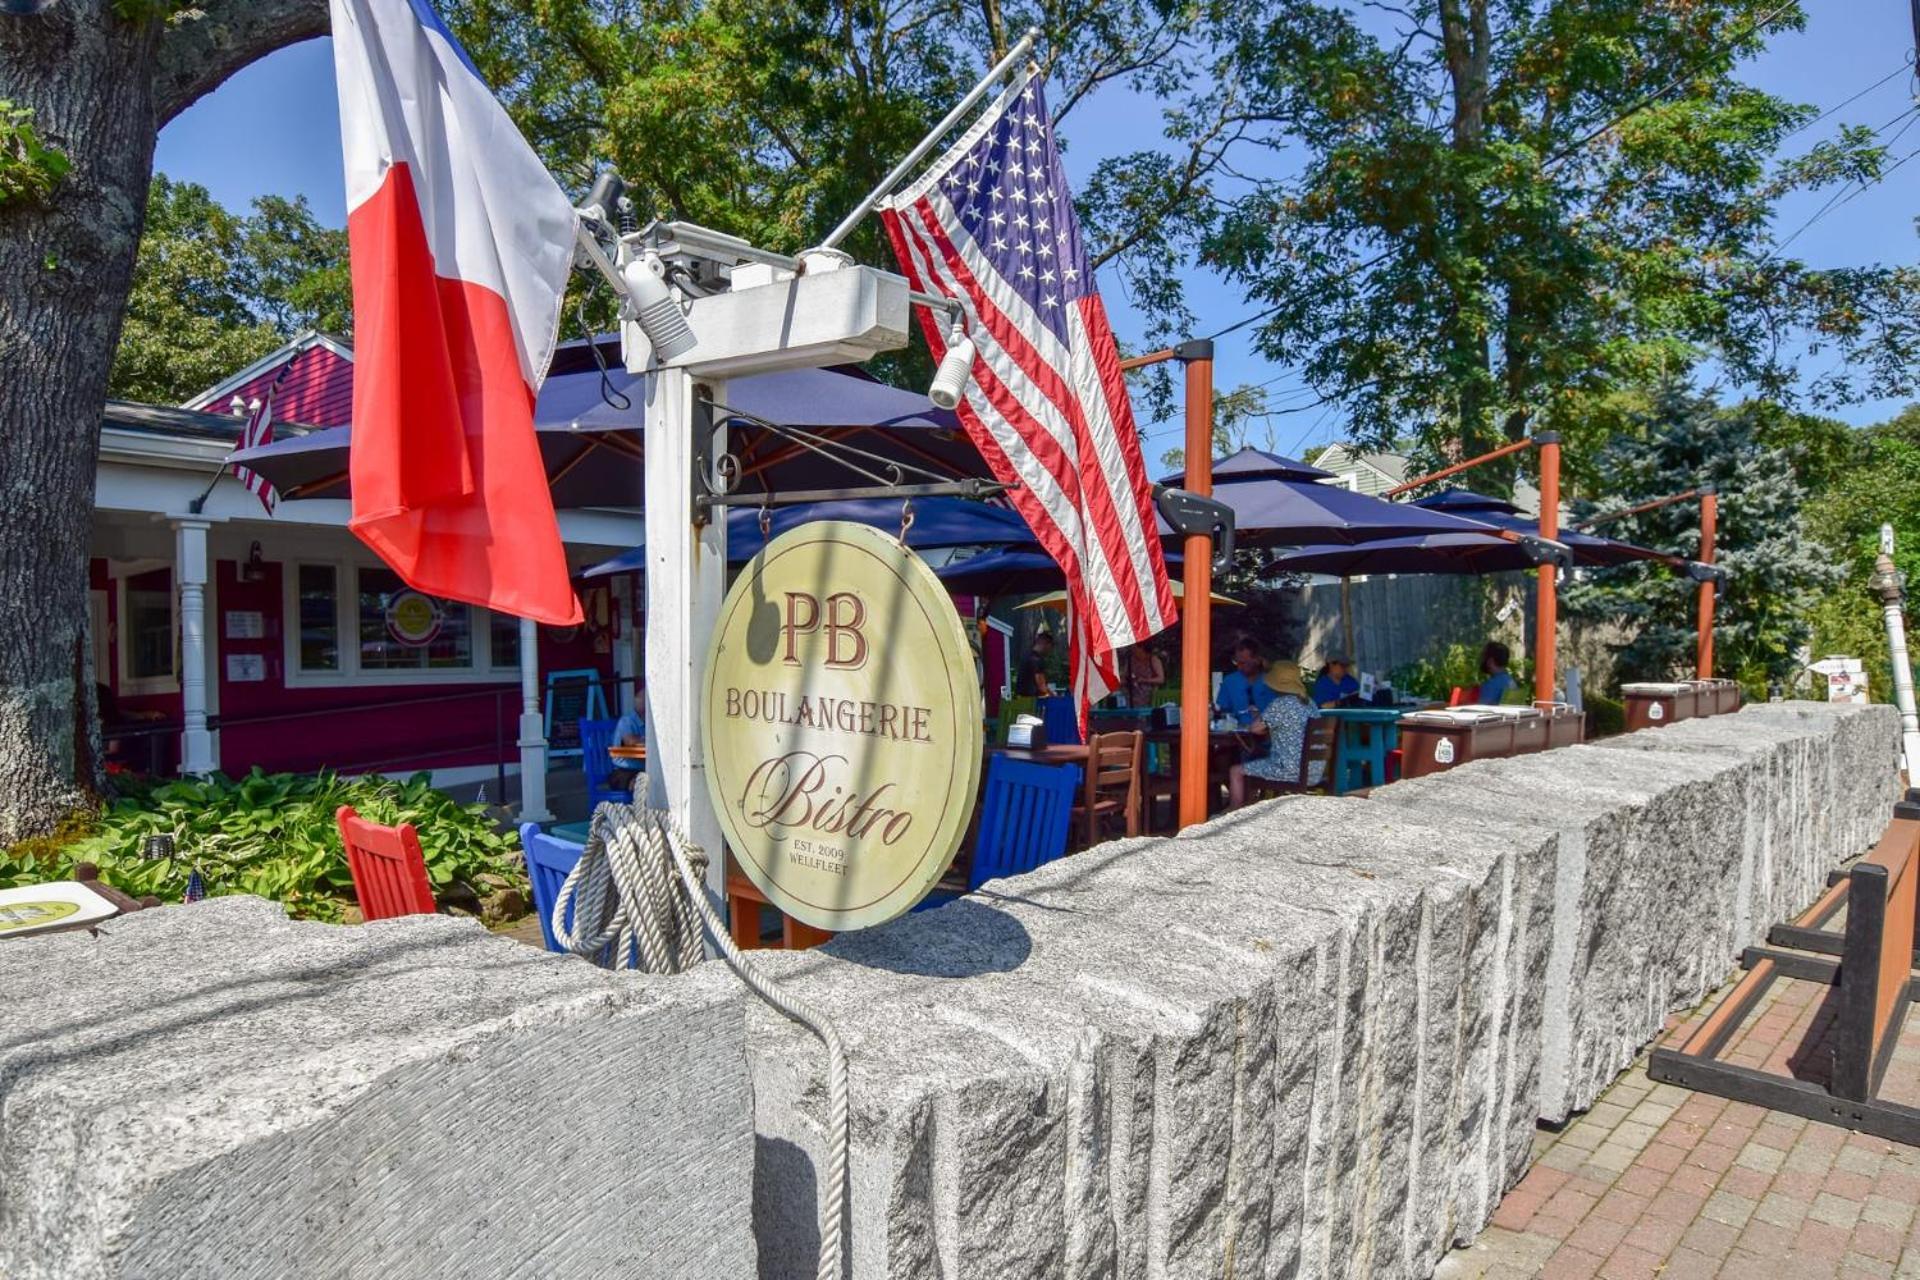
[1762, 616]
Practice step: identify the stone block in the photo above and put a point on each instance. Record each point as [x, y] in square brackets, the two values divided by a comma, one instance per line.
[1282, 1044]
[216, 1091]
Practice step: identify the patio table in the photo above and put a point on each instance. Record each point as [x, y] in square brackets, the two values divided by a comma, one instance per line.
[1366, 735]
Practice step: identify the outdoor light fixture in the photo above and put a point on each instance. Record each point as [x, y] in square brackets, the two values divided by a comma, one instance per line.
[655, 309]
[950, 379]
[603, 201]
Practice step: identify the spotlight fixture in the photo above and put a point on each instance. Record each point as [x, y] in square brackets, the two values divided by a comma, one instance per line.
[655, 309]
[950, 379]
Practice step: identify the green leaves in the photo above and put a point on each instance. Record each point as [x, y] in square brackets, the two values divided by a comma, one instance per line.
[269, 834]
[29, 168]
[213, 291]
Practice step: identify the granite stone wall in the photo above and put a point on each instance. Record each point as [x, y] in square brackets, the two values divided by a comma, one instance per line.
[1308, 1039]
[1311, 1038]
[213, 1091]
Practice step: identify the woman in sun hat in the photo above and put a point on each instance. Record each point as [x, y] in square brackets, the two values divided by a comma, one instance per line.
[1284, 722]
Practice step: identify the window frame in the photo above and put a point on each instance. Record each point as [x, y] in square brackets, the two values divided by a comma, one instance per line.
[346, 585]
[130, 685]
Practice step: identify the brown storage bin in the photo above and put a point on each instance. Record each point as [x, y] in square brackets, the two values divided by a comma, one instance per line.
[1434, 741]
[1529, 726]
[1565, 726]
[1651, 705]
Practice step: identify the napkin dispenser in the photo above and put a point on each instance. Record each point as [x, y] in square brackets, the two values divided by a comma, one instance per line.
[1029, 732]
[1166, 716]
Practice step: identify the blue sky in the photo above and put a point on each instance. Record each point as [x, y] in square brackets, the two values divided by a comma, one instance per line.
[274, 128]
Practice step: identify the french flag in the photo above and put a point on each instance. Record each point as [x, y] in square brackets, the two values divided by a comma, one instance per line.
[461, 244]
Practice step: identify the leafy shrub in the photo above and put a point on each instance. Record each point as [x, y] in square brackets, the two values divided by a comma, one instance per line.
[1605, 717]
[268, 834]
[1435, 676]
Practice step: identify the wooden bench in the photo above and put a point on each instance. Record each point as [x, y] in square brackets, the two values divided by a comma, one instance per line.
[1873, 985]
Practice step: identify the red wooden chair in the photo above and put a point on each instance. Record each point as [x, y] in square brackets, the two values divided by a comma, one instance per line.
[389, 871]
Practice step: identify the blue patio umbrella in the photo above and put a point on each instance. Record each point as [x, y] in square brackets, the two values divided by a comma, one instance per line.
[937, 522]
[1432, 553]
[1280, 502]
[592, 448]
[1587, 548]
[1009, 571]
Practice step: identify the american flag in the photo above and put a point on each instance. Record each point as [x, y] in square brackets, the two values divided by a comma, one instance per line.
[259, 431]
[991, 224]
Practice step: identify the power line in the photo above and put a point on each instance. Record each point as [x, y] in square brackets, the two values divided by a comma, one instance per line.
[1645, 101]
[1906, 64]
[1840, 198]
[1720, 47]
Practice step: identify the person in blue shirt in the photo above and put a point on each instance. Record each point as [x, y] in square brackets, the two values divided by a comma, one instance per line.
[1494, 680]
[630, 730]
[1244, 693]
[1336, 682]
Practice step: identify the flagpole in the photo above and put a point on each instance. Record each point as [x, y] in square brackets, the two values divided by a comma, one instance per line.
[919, 153]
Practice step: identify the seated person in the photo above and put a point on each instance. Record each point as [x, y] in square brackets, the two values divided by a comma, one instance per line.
[629, 731]
[1243, 694]
[1284, 722]
[1494, 680]
[1336, 682]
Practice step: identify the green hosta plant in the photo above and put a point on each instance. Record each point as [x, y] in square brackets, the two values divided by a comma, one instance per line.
[269, 834]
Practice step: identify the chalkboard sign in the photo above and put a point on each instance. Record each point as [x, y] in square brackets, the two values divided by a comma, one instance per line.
[572, 696]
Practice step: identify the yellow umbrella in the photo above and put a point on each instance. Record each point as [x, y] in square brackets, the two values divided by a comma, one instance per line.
[1057, 600]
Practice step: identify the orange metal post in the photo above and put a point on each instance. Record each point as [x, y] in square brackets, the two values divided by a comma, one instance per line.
[1196, 648]
[1547, 607]
[1709, 522]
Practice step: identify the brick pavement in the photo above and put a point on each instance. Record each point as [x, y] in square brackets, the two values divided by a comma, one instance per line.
[1656, 1181]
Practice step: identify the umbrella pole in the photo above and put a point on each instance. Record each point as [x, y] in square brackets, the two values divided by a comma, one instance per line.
[1346, 618]
[1709, 522]
[1196, 646]
[1547, 611]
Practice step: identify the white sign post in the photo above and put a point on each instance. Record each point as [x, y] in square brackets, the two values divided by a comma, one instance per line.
[770, 319]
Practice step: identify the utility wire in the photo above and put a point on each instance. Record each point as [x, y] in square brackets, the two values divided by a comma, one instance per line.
[1639, 105]
[1848, 191]
[1906, 64]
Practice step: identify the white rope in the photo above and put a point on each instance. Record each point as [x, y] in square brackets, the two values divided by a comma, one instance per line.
[625, 909]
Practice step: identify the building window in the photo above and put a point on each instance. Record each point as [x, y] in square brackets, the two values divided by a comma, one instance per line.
[403, 630]
[319, 614]
[365, 624]
[149, 647]
[506, 641]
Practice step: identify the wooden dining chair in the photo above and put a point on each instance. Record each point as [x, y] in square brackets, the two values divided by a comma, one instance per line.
[596, 737]
[1114, 785]
[389, 870]
[1317, 745]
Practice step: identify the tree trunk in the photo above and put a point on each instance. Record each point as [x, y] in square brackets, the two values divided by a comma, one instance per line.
[65, 267]
[99, 87]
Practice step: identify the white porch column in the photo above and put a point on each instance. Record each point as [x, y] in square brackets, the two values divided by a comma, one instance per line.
[533, 729]
[623, 648]
[190, 579]
[686, 577]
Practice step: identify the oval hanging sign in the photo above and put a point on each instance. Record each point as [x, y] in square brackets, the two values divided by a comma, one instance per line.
[843, 725]
[413, 618]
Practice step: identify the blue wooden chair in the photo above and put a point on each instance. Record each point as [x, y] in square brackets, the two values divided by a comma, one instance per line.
[1024, 819]
[1062, 720]
[595, 737]
[549, 861]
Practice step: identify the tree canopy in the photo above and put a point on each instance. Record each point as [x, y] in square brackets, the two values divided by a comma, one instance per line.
[1490, 215]
[1760, 467]
[214, 291]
